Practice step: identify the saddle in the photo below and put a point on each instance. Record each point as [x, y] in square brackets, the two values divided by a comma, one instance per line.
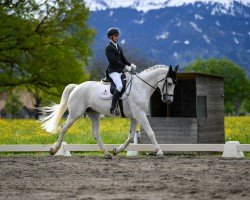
[107, 90]
[108, 81]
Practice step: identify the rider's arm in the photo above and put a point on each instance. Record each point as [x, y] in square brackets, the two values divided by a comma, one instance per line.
[112, 59]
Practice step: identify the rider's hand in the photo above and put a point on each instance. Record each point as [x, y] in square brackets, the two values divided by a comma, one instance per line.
[133, 66]
[128, 68]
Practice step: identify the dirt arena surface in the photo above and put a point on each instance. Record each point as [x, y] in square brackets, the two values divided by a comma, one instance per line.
[80, 177]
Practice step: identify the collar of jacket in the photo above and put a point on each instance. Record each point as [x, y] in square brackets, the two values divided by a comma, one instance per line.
[115, 44]
[118, 47]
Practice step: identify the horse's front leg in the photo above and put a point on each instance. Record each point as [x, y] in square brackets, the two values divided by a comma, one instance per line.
[143, 121]
[95, 119]
[130, 139]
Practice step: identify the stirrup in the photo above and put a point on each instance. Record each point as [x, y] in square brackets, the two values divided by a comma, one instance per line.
[114, 111]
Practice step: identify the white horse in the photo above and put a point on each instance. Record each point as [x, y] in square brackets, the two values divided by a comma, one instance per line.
[83, 98]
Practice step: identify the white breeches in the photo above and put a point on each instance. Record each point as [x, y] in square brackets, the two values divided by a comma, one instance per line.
[116, 77]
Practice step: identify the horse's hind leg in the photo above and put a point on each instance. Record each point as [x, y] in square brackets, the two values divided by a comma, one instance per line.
[70, 120]
[95, 119]
[130, 139]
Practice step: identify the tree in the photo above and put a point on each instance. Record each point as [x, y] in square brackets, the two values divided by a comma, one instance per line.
[44, 45]
[245, 106]
[13, 104]
[236, 83]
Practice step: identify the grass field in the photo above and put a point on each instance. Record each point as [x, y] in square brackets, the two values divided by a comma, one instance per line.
[113, 131]
[238, 129]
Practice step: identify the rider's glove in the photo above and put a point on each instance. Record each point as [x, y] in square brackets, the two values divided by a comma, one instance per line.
[133, 66]
[128, 68]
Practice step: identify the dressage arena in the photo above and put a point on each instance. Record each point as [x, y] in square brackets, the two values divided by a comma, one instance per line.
[144, 177]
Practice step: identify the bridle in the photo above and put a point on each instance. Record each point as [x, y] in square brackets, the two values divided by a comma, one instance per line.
[165, 85]
[155, 88]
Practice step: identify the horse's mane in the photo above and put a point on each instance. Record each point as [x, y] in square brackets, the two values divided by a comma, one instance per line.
[153, 67]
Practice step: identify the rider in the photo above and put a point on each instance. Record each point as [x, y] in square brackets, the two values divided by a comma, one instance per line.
[117, 63]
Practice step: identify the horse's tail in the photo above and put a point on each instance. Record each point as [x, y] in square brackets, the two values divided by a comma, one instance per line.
[56, 111]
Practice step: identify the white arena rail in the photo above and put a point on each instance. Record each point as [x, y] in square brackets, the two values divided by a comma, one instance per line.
[230, 149]
[148, 147]
[25, 147]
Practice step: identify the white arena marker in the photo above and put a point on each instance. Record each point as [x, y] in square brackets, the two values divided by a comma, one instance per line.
[62, 151]
[136, 141]
[231, 150]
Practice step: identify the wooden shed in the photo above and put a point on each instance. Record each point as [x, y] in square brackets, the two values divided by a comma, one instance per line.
[195, 116]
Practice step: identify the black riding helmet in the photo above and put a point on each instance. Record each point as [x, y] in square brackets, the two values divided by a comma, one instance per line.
[112, 31]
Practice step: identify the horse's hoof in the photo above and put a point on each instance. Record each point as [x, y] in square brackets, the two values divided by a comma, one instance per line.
[160, 155]
[115, 151]
[51, 151]
[107, 156]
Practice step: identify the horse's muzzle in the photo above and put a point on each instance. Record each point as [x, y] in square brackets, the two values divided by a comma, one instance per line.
[167, 98]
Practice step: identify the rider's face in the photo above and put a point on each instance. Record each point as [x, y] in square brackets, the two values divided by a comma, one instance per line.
[115, 38]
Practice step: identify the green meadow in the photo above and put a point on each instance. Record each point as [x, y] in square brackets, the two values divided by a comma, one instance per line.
[112, 130]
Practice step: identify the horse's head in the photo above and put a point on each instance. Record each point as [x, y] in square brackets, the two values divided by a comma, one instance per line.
[166, 84]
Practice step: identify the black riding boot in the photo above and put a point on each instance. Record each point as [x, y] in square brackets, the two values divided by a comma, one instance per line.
[115, 98]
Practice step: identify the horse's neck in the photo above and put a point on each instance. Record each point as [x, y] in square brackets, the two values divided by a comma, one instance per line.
[151, 77]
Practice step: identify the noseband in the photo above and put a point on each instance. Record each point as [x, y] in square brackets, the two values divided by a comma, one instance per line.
[165, 86]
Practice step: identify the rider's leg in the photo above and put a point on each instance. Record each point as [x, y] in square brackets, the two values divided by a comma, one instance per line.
[116, 77]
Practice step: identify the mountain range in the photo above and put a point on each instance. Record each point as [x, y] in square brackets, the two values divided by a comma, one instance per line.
[175, 32]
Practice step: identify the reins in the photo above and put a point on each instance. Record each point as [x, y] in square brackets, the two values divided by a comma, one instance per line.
[155, 88]
[147, 82]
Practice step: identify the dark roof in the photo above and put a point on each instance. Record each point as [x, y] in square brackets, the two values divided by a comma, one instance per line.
[192, 75]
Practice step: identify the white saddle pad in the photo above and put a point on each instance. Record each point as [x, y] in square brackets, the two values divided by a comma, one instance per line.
[104, 90]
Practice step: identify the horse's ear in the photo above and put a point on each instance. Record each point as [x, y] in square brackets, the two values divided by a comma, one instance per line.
[176, 68]
[170, 69]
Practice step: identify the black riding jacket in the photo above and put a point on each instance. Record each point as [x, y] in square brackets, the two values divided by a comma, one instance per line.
[116, 59]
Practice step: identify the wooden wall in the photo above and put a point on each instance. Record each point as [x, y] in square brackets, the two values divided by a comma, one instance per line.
[184, 104]
[184, 100]
[157, 107]
[195, 116]
[171, 130]
[211, 128]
